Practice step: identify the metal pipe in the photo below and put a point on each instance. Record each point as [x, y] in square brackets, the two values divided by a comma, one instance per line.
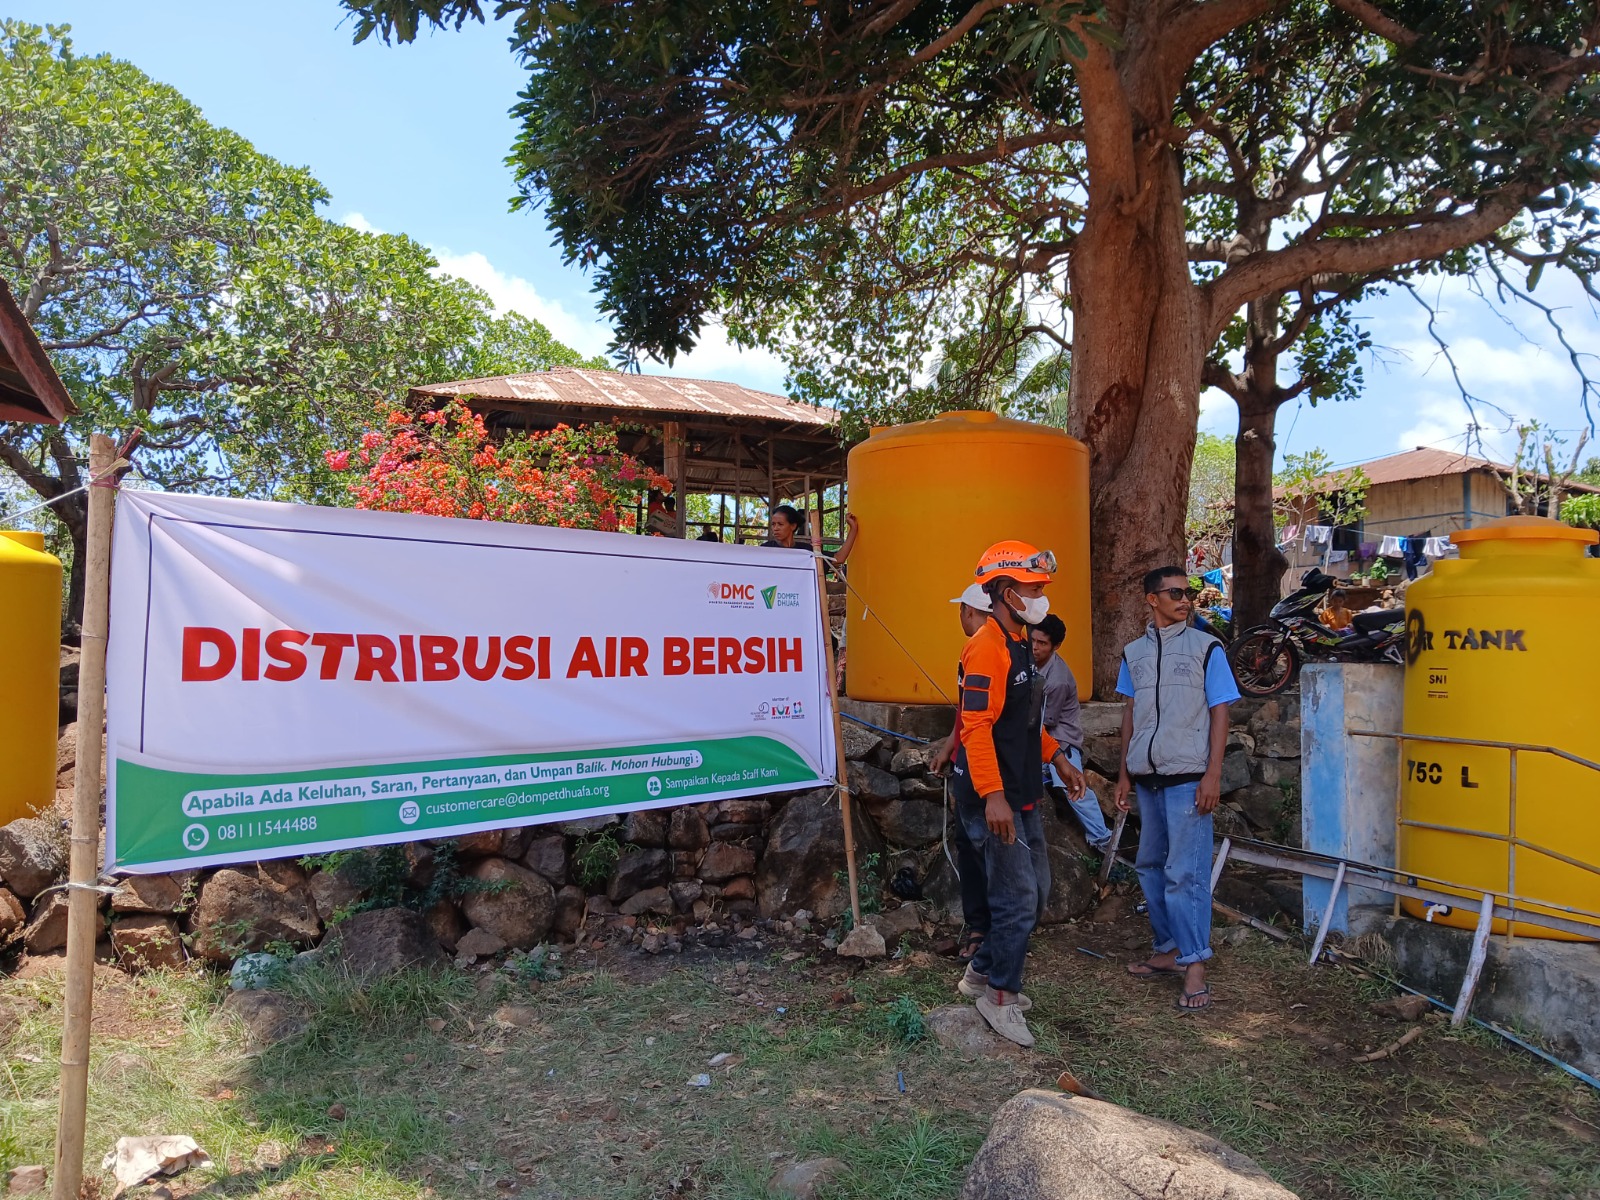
[1511, 847]
[1327, 916]
[1450, 741]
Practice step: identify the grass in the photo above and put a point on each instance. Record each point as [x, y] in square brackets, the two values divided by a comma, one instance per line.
[477, 1084]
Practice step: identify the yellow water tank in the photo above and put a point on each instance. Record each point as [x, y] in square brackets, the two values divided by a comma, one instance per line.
[1505, 646]
[30, 673]
[931, 497]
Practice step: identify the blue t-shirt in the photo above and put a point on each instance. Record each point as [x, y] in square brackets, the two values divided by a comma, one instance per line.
[1220, 685]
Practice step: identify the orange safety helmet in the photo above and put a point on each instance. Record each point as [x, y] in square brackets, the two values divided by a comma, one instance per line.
[1016, 560]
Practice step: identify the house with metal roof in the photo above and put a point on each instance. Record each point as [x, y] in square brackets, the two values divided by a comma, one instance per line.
[30, 389]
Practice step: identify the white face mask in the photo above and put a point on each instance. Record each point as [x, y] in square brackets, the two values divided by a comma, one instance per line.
[1033, 608]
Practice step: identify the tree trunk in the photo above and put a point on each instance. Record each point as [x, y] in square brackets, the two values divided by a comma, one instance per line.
[1139, 341]
[1257, 565]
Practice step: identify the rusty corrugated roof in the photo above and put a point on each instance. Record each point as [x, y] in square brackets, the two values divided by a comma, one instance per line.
[1425, 463]
[30, 389]
[587, 388]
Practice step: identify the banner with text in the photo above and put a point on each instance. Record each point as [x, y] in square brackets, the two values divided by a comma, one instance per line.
[284, 679]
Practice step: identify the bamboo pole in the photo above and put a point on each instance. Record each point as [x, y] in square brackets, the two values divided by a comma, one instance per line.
[838, 724]
[84, 866]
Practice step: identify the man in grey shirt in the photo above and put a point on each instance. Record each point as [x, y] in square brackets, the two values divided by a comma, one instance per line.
[1063, 722]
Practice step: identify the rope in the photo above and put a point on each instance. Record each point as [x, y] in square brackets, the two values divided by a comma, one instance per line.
[94, 482]
[866, 611]
[904, 737]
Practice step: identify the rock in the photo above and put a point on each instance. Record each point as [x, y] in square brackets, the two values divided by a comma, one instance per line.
[910, 824]
[32, 855]
[446, 924]
[684, 893]
[144, 942]
[569, 912]
[959, 1027]
[859, 741]
[1278, 739]
[895, 923]
[637, 870]
[482, 844]
[647, 827]
[743, 812]
[1402, 1008]
[868, 783]
[24, 1181]
[651, 900]
[724, 860]
[12, 914]
[1288, 892]
[517, 841]
[1261, 805]
[1228, 822]
[518, 911]
[687, 830]
[922, 787]
[864, 941]
[1247, 898]
[1101, 718]
[333, 891]
[160, 894]
[1103, 754]
[744, 835]
[805, 847]
[685, 863]
[1048, 1146]
[584, 826]
[421, 864]
[47, 929]
[256, 970]
[478, 943]
[742, 887]
[268, 1017]
[547, 856]
[912, 760]
[941, 891]
[244, 908]
[1275, 772]
[1072, 887]
[1235, 770]
[382, 941]
[800, 1181]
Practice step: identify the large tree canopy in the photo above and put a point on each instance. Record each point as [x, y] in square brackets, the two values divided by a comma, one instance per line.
[185, 284]
[857, 181]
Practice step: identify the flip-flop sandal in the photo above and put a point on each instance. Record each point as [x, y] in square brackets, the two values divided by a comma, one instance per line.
[1186, 1009]
[1152, 972]
[970, 947]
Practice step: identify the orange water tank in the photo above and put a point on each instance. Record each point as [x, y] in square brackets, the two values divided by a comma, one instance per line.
[931, 496]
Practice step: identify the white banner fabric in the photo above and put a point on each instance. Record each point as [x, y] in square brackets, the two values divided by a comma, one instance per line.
[284, 679]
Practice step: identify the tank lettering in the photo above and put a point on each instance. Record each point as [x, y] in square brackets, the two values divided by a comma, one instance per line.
[1423, 772]
[1466, 779]
[1484, 639]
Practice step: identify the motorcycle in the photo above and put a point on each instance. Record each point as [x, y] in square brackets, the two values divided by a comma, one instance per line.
[1268, 658]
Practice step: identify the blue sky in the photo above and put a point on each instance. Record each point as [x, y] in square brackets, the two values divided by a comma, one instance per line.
[412, 139]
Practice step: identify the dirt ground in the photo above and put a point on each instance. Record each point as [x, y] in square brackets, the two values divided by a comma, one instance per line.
[477, 1083]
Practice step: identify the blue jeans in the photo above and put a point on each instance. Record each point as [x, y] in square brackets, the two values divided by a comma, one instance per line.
[974, 882]
[1087, 810]
[1018, 878]
[1174, 866]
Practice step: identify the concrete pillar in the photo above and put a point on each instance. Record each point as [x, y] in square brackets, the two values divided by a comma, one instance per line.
[1350, 785]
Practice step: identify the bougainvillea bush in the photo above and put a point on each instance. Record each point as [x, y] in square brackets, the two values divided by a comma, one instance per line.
[444, 463]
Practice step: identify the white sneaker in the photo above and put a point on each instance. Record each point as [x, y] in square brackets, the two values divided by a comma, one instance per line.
[1006, 1020]
[973, 985]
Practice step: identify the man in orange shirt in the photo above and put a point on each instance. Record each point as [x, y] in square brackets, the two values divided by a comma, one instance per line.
[998, 785]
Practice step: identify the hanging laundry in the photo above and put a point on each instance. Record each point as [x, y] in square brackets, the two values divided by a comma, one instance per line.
[1436, 547]
[1214, 578]
[1319, 535]
[1368, 551]
[1391, 547]
[1291, 533]
[1346, 539]
[1337, 558]
[1411, 550]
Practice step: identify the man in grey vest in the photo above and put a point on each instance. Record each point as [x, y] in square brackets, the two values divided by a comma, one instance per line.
[1174, 733]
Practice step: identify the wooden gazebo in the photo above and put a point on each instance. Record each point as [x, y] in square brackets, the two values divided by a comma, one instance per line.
[711, 438]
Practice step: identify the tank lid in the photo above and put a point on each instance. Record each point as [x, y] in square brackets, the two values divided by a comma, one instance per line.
[24, 537]
[1505, 529]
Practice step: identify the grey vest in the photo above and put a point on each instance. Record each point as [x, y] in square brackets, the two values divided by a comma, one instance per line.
[1171, 720]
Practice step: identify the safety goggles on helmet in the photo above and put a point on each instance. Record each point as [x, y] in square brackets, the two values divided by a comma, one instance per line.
[1039, 562]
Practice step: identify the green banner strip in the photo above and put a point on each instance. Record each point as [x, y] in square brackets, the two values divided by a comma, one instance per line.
[175, 819]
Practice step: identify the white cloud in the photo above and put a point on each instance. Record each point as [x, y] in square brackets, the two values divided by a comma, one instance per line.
[359, 223]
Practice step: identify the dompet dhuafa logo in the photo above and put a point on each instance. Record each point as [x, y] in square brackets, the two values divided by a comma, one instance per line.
[773, 598]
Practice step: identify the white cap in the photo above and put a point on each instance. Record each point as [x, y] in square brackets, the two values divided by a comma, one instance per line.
[974, 597]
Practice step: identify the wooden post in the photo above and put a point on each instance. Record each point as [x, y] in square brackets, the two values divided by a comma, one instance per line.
[738, 485]
[838, 725]
[674, 465]
[1480, 953]
[83, 915]
[1327, 916]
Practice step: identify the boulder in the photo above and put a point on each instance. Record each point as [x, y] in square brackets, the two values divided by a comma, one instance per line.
[1274, 772]
[26, 1181]
[647, 827]
[243, 908]
[382, 941]
[517, 841]
[922, 787]
[910, 824]
[1101, 718]
[478, 943]
[804, 851]
[1049, 1146]
[724, 860]
[1235, 770]
[687, 830]
[1276, 739]
[144, 942]
[160, 894]
[1249, 899]
[568, 917]
[743, 812]
[1260, 804]
[895, 923]
[268, 1017]
[32, 855]
[637, 870]
[584, 826]
[869, 783]
[547, 856]
[859, 741]
[47, 928]
[518, 906]
[912, 760]
[12, 914]
[446, 924]
[332, 891]
[684, 893]
[651, 900]
[1072, 887]
[961, 1028]
[864, 941]
[1103, 753]
[742, 887]
[482, 844]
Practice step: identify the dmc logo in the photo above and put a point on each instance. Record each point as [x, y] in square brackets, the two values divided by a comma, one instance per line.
[731, 591]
